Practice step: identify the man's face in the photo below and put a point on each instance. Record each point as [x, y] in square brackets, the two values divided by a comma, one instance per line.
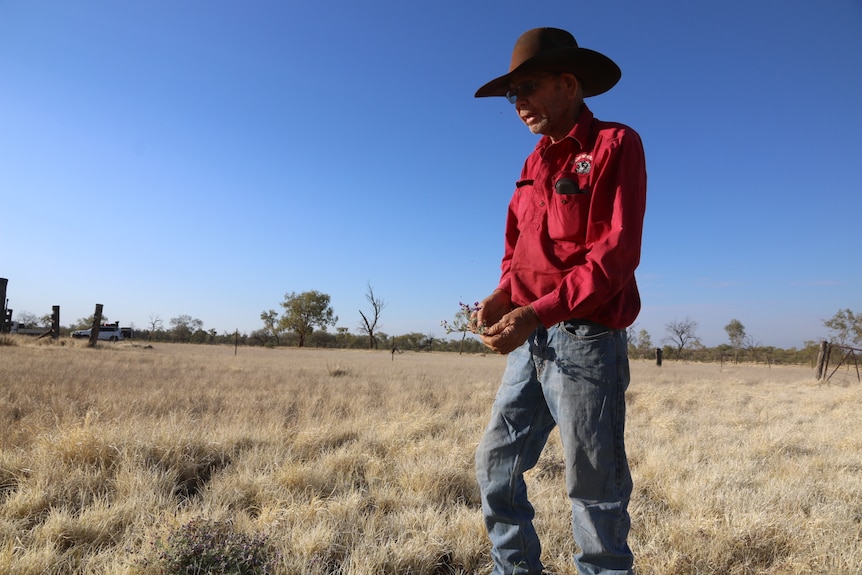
[545, 102]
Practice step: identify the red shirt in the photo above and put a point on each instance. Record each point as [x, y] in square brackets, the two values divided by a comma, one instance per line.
[572, 247]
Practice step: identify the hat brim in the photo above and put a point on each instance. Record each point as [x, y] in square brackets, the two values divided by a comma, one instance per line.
[596, 72]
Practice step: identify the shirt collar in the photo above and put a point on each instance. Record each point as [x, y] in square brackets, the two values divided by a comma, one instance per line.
[580, 132]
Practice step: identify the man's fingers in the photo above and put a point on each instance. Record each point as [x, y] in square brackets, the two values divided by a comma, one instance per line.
[479, 317]
[494, 330]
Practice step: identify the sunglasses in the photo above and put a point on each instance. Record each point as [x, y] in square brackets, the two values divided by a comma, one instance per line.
[524, 89]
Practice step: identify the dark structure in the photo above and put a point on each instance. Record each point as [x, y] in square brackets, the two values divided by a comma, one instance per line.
[6, 319]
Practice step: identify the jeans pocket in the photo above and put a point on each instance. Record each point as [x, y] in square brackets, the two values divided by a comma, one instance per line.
[582, 330]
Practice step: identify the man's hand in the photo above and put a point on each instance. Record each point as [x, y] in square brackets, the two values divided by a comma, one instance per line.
[512, 330]
[491, 309]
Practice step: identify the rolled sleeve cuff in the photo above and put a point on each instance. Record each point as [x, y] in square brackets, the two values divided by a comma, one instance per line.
[551, 310]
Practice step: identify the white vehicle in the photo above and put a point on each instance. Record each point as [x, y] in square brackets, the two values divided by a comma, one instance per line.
[110, 332]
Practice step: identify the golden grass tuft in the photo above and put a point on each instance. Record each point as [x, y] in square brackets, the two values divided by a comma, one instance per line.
[351, 463]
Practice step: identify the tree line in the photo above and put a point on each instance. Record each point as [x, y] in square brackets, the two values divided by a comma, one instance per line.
[305, 318]
[682, 342]
[304, 312]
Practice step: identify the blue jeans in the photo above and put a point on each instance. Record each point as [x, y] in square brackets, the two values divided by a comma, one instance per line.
[573, 376]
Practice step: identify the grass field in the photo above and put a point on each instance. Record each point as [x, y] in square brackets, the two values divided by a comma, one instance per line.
[127, 459]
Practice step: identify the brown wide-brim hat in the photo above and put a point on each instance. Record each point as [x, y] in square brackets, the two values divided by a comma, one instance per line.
[555, 50]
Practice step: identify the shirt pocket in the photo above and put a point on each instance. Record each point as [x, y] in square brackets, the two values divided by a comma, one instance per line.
[570, 209]
[524, 208]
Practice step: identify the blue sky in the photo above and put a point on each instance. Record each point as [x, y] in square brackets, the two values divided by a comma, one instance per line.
[206, 157]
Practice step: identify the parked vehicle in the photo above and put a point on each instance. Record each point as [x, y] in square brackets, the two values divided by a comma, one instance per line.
[108, 332]
[21, 329]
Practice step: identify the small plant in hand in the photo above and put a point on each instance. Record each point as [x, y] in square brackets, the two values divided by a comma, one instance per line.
[207, 546]
[465, 320]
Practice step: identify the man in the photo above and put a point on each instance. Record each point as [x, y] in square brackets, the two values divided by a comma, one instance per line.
[566, 294]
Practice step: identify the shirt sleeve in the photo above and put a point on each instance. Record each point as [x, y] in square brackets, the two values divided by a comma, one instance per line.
[510, 240]
[614, 233]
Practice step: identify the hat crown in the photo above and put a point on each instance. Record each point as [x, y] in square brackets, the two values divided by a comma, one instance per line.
[539, 42]
[556, 51]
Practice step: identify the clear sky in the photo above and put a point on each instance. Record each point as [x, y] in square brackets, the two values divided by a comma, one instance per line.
[206, 157]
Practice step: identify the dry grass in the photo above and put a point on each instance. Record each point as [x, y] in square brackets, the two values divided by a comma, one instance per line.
[352, 463]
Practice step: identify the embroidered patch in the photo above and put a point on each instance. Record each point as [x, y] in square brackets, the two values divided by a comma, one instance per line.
[583, 163]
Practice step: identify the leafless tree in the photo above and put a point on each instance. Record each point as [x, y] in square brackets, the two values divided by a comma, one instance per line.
[682, 334]
[369, 322]
[155, 325]
[30, 320]
[751, 346]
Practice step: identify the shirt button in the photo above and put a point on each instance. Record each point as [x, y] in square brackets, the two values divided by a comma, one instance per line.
[541, 203]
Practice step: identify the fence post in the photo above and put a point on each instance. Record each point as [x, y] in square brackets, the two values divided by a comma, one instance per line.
[5, 324]
[55, 322]
[94, 329]
[821, 360]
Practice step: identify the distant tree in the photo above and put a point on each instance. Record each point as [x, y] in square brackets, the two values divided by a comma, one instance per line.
[383, 339]
[736, 335]
[846, 327]
[87, 322]
[343, 337]
[304, 311]
[321, 338]
[640, 342]
[30, 320]
[369, 322]
[184, 327]
[272, 328]
[260, 337]
[631, 338]
[155, 323]
[682, 334]
[645, 346]
[409, 341]
[198, 336]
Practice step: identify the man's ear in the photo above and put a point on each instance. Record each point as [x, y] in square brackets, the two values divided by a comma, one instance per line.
[572, 84]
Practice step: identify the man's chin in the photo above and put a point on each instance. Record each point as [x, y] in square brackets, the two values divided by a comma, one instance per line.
[538, 127]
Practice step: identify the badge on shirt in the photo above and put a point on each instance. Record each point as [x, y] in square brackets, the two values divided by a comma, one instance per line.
[583, 163]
